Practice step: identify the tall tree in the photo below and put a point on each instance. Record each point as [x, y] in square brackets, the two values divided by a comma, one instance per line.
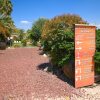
[21, 34]
[36, 30]
[6, 23]
[5, 7]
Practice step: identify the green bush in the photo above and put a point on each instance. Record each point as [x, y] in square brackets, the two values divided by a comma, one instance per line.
[60, 47]
[58, 38]
[17, 45]
[97, 54]
[24, 42]
[97, 62]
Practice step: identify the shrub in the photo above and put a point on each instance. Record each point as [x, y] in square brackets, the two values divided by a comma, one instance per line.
[58, 37]
[60, 47]
[97, 62]
[24, 42]
[97, 54]
[17, 45]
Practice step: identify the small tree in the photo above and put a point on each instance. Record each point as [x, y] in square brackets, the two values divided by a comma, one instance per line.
[36, 31]
[21, 34]
[58, 37]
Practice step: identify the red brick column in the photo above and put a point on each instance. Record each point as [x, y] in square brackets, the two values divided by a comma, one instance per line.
[84, 54]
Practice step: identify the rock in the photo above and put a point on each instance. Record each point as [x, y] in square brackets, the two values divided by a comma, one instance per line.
[46, 69]
[44, 55]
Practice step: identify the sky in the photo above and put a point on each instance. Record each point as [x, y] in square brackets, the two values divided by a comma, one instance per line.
[26, 12]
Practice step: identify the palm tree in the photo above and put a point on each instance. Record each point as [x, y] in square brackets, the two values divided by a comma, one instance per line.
[5, 7]
[6, 23]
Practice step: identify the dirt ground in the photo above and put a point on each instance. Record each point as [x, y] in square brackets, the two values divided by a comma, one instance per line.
[21, 79]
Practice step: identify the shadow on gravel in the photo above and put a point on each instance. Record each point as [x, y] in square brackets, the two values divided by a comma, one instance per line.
[1, 52]
[97, 79]
[47, 67]
[41, 52]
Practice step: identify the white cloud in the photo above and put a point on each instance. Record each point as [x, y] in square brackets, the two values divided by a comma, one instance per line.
[25, 22]
[97, 25]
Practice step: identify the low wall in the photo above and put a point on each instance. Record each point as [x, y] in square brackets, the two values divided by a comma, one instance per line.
[69, 70]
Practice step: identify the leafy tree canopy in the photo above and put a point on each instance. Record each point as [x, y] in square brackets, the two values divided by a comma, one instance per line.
[36, 30]
[5, 7]
[58, 37]
[64, 21]
[6, 22]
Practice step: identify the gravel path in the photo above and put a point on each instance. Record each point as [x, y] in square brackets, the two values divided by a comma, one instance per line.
[20, 78]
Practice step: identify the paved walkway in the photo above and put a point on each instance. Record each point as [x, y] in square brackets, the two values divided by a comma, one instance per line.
[20, 78]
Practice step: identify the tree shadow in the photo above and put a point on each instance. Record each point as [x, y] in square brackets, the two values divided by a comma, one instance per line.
[41, 52]
[1, 52]
[47, 67]
[97, 79]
